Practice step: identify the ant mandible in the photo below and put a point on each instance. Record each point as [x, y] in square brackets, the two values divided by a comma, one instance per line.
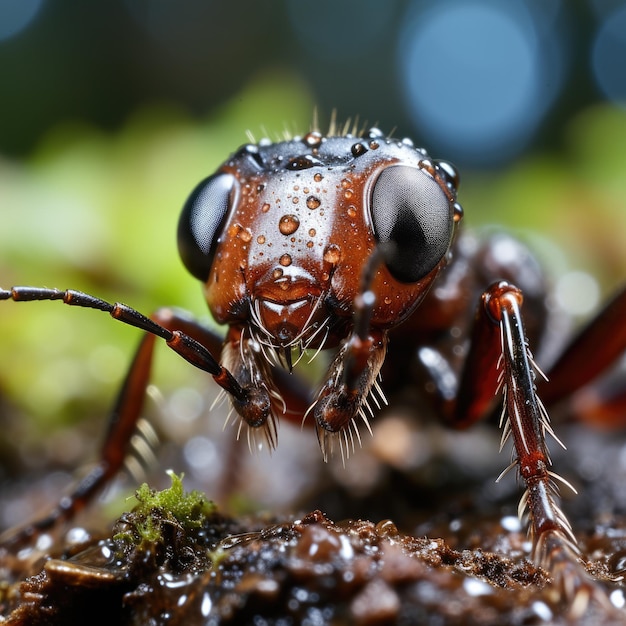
[333, 241]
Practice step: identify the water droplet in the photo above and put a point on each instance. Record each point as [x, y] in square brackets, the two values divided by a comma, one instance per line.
[296, 199]
[277, 273]
[348, 193]
[458, 212]
[309, 244]
[206, 604]
[352, 212]
[313, 139]
[260, 239]
[386, 528]
[345, 183]
[387, 300]
[318, 177]
[245, 234]
[358, 149]
[234, 230]
[285, 260]
[266, 207]
[302, 162]
[312, 232]
[288, 224]
[332, 254]
[313, 202]
[374, 145]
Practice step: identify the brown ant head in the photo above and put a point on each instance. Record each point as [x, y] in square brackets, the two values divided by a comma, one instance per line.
[281, 234]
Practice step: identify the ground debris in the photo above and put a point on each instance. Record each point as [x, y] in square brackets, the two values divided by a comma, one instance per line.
[195, 566]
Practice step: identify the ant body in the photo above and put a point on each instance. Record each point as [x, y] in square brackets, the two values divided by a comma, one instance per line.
[349, 241]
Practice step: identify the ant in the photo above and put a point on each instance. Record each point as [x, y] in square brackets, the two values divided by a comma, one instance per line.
[349, 241]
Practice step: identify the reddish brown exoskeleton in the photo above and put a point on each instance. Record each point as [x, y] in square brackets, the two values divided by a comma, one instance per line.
[332, 242]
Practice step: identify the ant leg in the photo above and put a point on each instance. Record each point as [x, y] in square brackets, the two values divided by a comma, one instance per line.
[127, 408]
[293, 390]
[525, 421]
[121, 427]
[252, 402]
[352, 374]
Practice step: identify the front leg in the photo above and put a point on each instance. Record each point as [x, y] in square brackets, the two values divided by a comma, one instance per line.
[526, 422]
[352, 375]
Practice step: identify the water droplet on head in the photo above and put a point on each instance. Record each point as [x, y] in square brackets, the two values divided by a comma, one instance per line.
[374, 133]
[318, 177]
[302, 162]
[358, 149]
[277, 273]
[458, 212]
[313, 202]
[288, 224]
[332, 254]
[266, 207]
[313, 139]
[312, 232]
[285, 260]
[260, 239]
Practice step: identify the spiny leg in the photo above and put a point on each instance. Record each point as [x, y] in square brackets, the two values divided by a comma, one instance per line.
[526, 422]
[499, 359]
[352, 374]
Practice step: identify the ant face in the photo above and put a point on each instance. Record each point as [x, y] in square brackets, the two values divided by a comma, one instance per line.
[282, 233]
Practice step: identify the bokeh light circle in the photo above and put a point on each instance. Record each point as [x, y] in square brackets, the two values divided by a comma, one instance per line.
[608, 54]
[16, 15]
[475, 78]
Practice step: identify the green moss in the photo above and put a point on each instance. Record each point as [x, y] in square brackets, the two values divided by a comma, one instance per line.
[188, 508]
[170, 506]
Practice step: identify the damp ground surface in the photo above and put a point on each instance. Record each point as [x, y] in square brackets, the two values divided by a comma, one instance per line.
[191, 565]
[430, 543]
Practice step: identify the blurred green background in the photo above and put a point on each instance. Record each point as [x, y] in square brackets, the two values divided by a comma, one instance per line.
[113, 110]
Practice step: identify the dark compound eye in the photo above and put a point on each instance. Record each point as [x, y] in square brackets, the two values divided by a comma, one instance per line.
[411, 212]
[201, 221]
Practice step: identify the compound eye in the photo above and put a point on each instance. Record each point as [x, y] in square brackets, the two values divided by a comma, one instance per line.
[413, 216]
[201, 221]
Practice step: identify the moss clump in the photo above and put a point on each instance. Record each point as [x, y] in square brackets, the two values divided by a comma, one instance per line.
[170, 507]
